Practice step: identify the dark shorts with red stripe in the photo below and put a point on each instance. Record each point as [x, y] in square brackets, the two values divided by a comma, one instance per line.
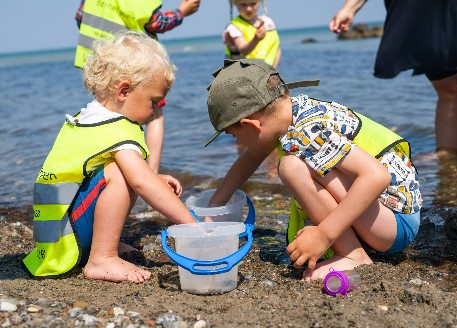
[82, 210]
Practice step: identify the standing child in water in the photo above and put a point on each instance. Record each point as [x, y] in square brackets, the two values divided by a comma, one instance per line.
[250, 35]
[90, 180]
[352, 176]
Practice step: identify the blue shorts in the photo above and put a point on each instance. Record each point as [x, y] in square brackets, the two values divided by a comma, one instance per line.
[82, 210]
[407, 228]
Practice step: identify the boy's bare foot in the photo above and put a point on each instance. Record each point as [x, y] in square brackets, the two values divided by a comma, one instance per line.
[338, 263]
[114, 269]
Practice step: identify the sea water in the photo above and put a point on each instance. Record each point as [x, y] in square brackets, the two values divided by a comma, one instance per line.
[38, 89]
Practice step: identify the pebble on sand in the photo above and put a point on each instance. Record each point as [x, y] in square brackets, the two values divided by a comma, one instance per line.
[7, 306]
[200, 324]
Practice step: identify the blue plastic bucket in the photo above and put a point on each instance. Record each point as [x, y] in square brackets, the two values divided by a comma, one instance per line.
[208, 253]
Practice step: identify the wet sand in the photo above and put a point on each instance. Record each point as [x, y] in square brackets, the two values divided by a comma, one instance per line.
[415, 288]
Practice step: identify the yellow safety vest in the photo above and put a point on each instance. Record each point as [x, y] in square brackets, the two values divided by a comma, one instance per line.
[102, 18]
[372, 137]
[77, 151]
[266, 49]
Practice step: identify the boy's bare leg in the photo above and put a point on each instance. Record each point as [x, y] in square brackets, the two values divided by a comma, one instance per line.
[319, 196]
[112, 209]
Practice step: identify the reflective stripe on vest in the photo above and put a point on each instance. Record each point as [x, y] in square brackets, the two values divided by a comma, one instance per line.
[101, 24]
[103, 18]
[51, 231]
[266, 49]
[372, 137]
[66, 166]
[58, 193]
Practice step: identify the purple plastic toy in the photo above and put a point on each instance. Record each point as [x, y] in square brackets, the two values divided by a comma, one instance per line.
[341, 282]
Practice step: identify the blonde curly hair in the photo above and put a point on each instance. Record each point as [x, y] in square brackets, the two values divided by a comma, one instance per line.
[131, 56]
[233, 2]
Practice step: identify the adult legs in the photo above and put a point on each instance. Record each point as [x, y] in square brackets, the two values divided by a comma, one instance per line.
[111, 211]
[446, 114]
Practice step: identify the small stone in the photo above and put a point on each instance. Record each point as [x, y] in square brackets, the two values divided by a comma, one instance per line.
[121, 320]
[88, 319]
[43, 302]
[118, 310]
[80, 304]
[110, 325]
[92, 310]
[74, 312]
[269, 283]
[33, 309]
[102, 314]
[16, 319]
[133, 314]
[200, 324]
[6, 323]
[7, 306]
[417, 282]
[383, 308]
[248, 277]
[168, 320]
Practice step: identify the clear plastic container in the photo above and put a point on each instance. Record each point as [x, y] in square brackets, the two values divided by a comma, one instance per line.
[207, 241]
[341, 282]
[232, 211]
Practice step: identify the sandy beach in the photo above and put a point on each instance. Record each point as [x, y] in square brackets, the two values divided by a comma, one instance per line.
[415, 288]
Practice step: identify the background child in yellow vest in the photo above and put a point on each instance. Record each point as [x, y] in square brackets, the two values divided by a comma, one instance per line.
[250, 35]
[102, 149]
[348, 193]
[156, 21]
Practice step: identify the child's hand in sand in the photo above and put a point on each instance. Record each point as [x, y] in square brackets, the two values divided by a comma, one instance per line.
[173, 183]
[309, 244]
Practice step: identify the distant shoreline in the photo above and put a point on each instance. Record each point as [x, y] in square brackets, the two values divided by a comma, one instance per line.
[171, 40]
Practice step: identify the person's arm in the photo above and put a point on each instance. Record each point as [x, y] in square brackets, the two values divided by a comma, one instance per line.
[79, 13]
[188, 7]
[161, 22]
[344, 17]
[245, 48]
[161, 193]
[241, 170]
[371, 179]
[278, 58]
[155, 134]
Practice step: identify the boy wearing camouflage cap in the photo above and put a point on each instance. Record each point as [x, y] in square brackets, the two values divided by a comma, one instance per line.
[353, 177]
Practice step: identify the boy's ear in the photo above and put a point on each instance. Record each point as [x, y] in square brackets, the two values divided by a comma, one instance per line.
[253, 123]
[123, 89]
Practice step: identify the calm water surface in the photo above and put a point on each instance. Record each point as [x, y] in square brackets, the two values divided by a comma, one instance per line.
[38, 89]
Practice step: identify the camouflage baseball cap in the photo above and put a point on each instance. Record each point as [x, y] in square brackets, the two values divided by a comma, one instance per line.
[239, 89]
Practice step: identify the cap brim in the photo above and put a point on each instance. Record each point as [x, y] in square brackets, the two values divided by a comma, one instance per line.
[217, 134]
